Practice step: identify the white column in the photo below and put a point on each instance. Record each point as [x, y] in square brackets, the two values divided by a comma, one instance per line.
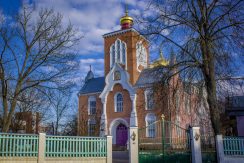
[109, 149]
[133, 115]
[196, 145]
[103, 123]
[41, 147]
[220, 148]
[133, 139]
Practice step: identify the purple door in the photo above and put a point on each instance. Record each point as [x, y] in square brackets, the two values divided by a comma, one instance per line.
[121, 135]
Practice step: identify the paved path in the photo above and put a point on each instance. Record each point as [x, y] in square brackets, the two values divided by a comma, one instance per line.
[120, 157]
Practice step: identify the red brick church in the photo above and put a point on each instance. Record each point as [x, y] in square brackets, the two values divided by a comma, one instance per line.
[126, 95]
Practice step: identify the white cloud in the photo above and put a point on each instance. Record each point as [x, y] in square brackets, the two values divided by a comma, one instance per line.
[92, 18]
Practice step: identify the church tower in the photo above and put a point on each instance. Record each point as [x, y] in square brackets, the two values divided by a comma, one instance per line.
[127, 48]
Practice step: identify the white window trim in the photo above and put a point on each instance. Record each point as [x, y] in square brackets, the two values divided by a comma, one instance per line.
[121, 56]
[146, 101]
[147, 118]
[91, 98]
[115, 102]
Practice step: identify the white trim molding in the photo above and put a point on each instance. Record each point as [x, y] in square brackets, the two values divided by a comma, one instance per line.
[109, 84]
[113, 127]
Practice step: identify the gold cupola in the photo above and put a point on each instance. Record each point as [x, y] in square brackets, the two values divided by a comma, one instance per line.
[126, 21]
[160, 62]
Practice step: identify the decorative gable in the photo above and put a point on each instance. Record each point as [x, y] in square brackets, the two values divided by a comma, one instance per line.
[117, 75]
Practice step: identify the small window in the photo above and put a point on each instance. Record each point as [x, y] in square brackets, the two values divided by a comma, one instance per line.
[92, 105]
[117, 75]
[118, 102]
[91, 127]
[150, 125]
[149, 99]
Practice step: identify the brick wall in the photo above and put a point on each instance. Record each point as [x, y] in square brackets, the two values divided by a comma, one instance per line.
[127, 105]
[130, 38]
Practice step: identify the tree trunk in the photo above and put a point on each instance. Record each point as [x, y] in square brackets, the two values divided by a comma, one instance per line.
[8, 118]
[208, 71]
[213, 106]
[9, 115]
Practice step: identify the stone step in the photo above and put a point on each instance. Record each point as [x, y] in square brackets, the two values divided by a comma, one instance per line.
[119, 148]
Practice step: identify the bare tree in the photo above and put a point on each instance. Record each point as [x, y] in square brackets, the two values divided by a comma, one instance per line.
[206, 35]
[61, 105]
[70, 127]
[35, 52]
[83, 122]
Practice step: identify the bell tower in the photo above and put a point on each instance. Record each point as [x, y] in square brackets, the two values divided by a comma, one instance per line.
[127, 48]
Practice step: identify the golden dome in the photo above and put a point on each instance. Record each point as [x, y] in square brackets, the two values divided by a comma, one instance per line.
[160, 62]
[126, 21]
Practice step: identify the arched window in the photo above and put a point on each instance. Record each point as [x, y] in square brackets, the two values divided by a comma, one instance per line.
[123, 52]
[91, 105]
[91, 127]
[118, 44]
[117, 53]
[149, 99]
[151, 127]
[141, 55]
[118, 99]
[112, 55]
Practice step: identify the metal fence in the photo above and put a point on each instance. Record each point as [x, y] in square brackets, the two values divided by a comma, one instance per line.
[27, 145]
[233, 145]
[67, 146]
[18, 145]
[164, 141]
[208, 148]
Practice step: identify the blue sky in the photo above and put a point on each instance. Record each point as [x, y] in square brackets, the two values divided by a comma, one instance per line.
[92, 18]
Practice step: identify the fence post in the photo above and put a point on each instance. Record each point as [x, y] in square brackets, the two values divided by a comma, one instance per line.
[220, 148]
[163, 134]
[196, 145]
[109, 149]
[133, 140]
[41, 147]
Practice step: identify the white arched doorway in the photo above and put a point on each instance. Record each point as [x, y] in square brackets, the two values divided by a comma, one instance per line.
[119, 130]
